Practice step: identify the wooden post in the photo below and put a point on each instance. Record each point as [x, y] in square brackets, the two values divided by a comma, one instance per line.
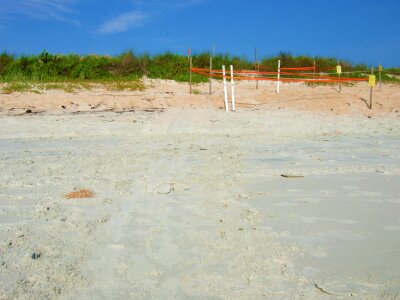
[314, 70]
[190, 74]
[370, 91]
[255, 64]
[210, 74]
[380, 78]
[255, 57]
[340, 74]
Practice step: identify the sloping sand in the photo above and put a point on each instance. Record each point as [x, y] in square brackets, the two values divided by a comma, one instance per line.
[189, 202]
[163, 94]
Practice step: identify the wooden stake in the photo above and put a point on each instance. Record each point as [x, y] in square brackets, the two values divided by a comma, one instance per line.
[255, 64]
[210, 74]
[340, 74]
[314, 70]
[190, 74]
[380, 78]
[370, 91]
[255, 57]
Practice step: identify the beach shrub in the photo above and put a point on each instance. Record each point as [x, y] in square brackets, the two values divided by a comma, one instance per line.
[169, 66]
[5, 60]
[91, 67]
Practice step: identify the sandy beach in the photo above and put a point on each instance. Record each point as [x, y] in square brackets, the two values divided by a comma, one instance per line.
[190, 202]
[163, 94]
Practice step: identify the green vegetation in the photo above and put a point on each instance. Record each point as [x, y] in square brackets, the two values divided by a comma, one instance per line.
[73, 72]
[196, 92]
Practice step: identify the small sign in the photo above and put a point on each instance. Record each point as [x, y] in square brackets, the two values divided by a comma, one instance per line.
[339, 69]
[372, 80]
[380, 68]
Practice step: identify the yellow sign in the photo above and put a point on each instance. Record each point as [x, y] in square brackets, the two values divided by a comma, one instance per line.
[380, 68]
[372, 80]
[339, 69]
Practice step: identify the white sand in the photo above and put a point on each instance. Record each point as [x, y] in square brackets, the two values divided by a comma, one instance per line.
[190, 204]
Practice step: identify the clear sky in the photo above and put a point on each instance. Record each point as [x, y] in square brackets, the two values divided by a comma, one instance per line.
[362, 31]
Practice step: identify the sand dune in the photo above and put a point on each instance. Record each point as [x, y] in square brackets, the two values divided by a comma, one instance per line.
[162, 94]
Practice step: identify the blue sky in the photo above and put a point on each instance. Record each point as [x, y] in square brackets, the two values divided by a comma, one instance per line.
[362, 31]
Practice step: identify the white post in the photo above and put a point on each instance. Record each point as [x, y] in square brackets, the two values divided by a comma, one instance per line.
[209, 92]
[190, 73]
[279, 76]
[225, 91]
[233, 89]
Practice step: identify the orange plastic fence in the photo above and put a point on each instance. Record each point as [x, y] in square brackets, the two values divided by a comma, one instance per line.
[317, 69]
[299, 69]
[257, 76]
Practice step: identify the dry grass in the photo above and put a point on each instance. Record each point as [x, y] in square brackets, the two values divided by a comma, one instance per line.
[16, 87]
[124, 86]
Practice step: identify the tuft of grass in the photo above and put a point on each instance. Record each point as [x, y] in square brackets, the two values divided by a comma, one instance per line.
[67, 87]
[196, 92]
[124, 86]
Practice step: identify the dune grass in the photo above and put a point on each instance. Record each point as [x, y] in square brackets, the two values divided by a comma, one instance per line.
[71, 86]
[16, 87]
[73, 72]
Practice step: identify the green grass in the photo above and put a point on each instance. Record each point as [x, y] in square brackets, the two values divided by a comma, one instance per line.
[196, 92]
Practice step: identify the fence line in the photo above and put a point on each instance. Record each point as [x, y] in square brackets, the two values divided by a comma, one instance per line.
[262, 76]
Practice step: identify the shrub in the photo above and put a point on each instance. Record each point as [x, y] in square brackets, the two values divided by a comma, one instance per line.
[5, 60]
[91, 67]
